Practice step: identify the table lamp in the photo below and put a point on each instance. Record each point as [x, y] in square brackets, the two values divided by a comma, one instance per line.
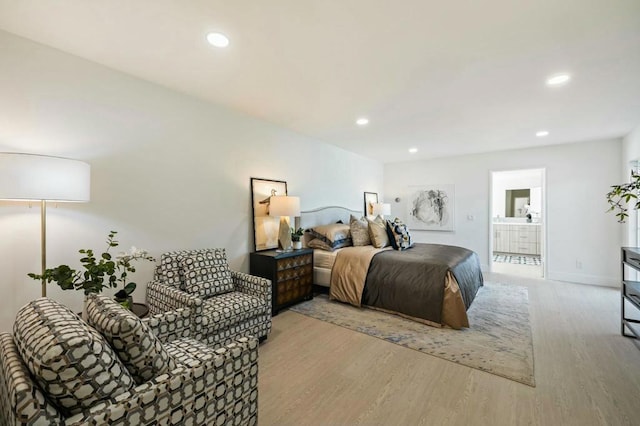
[30, 177]
[382, 209]
[284, 206]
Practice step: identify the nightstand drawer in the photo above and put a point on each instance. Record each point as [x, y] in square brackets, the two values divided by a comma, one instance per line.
[294, 290]
[294, 273]
[294, 262]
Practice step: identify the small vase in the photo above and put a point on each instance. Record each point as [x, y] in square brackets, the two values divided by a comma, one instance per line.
[297, 245]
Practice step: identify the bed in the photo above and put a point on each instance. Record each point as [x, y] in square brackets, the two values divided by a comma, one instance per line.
[430, 283]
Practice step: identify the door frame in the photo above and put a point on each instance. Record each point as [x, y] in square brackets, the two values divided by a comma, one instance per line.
[543, 216]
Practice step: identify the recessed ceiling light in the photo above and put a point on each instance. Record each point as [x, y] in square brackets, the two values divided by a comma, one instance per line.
[363, 121]
[542, 133]
[558, 79]
[413, 150]
[218, 39]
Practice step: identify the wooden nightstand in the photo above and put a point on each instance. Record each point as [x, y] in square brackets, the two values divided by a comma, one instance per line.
[291, 275]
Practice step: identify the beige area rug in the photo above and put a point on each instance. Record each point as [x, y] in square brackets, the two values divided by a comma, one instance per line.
[498, 341]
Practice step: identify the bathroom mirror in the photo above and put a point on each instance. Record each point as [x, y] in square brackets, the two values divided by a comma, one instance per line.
[517, 202]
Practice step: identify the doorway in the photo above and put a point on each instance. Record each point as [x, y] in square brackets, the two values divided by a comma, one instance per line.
[517, 222]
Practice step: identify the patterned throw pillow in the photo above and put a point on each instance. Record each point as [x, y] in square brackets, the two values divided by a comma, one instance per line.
[336, 235]
[359, 231]
[378, 232]
[399, 235]
[170, 270]
[73, 364]
[207, 274]
[137, 347]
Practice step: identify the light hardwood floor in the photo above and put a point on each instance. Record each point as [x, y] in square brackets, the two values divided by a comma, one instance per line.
[316, 373]
[529, 271]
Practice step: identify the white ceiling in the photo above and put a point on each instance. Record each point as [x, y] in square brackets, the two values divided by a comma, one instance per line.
[447, 77]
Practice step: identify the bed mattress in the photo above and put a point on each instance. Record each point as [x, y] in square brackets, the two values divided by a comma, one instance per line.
[322, 264]
[324, 259]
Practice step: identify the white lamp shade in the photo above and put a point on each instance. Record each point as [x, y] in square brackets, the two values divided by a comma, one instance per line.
[383, 209]
[283, 205]
[40, 177]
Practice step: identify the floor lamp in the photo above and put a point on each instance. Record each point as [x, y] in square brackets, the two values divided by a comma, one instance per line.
[30, 177]
[284, 206]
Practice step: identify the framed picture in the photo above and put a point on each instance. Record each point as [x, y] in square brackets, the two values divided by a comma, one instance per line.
[431, 208]
[370, 198]
[265, 227]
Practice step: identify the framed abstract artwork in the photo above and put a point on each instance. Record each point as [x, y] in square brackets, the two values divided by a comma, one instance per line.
[431, 208]
[370, 198]
[265, 227]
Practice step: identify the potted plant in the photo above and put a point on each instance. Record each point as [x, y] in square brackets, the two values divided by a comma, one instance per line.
[296, 234]
[621, 195]
[99, 273]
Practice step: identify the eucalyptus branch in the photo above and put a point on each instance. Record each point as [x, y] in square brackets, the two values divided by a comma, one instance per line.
[621, 195]
[98, 273]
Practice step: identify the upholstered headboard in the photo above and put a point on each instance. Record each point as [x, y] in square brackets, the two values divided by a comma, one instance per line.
[324, 216]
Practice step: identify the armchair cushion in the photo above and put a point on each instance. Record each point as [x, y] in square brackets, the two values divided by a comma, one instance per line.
[71, 361]
[206, 274]
[20, 396]
[137, 347]
[231, 308]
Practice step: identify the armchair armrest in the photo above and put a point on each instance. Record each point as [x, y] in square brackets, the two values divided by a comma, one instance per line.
[250, 284]
[172, 325]
[220, 387]
[21, 400]
[163, 298]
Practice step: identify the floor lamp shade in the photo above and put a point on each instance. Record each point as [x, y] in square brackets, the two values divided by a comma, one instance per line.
[30, 177]
[284, 206]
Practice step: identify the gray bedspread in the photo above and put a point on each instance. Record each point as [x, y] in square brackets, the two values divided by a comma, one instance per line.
[412, 281]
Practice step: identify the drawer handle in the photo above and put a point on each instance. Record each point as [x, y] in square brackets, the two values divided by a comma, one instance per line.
[634, 258]
[634, 297]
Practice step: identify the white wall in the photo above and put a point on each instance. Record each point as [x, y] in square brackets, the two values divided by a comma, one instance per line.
[577, 178]
[168, 171]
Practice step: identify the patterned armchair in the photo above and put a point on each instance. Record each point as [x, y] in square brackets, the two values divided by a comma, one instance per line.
[58, 370]
[225, 304]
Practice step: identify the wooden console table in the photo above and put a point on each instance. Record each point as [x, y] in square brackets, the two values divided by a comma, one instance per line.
[630, 292]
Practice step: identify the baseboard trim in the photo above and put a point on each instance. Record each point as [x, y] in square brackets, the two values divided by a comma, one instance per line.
[584, 279]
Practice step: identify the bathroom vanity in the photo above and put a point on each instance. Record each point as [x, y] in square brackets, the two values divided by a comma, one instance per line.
[520, 238]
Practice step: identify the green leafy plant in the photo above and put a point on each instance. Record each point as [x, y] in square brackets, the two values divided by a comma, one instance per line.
[621, 195]
[296, 234]
[99, 273]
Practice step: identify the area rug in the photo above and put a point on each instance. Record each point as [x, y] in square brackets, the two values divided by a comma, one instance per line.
[517, 260]
[499, 340]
